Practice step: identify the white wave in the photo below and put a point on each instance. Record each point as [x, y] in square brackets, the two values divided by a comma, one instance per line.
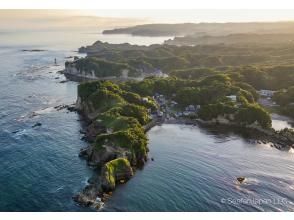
[45, 111]
[59, 188]
[98, 204]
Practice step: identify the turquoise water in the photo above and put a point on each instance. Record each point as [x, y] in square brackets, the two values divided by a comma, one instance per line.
[193, 169]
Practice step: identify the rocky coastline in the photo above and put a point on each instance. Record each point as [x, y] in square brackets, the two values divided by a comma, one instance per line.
[98, 191]
[117, 144]
[115, 166]
[281, 140]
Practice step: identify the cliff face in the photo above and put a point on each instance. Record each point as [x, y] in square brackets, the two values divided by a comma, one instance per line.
[116, 132]
[71, 72]
[115, 171]
[77, 72]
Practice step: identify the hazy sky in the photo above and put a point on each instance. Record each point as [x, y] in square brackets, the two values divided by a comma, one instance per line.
[95, 19]
[199, 15]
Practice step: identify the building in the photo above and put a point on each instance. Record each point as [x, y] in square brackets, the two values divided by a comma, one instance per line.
[159, 113]
[187, 113]
[145, 99]
[173, 103]
[232, 97]
[190, 108]
[266, 93]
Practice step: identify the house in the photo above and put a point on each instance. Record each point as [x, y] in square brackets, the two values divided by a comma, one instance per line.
[125, 73]
[187, 113]
[266, 93]
[159, 113]
[173, 103]
[190, 108]
[161, 99]
[145, 99]
[232, 97]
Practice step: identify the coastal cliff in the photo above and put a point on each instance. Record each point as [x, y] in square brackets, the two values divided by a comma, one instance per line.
[116, 135]
[86, 69]
[116, 62]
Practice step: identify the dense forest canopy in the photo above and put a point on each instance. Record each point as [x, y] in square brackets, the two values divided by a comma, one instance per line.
[261, 67]
[116, 103]
[209, 62]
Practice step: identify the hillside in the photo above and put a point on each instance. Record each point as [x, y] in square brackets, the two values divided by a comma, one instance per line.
[204, 29]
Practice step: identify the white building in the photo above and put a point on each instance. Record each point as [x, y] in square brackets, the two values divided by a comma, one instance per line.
[145, 99]
[159, 113]
[266, 93]
[173, 103]
[232, 97]
[191, 108]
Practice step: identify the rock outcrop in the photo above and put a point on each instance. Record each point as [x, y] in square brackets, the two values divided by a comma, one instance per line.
[115, 171]
[116, 135]
[90, 196]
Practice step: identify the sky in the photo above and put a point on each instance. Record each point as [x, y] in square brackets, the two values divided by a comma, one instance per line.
[199, 15]
[11, 20]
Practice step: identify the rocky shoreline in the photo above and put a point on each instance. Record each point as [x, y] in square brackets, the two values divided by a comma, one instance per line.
[96, 192]
[254, 134]
[117, 144]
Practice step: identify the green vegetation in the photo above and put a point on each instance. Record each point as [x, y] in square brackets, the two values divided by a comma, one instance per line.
[262, 67]
[117, 122]
[133, 139]
[285, 98]
[250, 114]
[104, 99]
[115, 171]
[212, 111]
[103, 68]
[131, 110]
[243, 115]
[123, 113]
[211, 93]
[122, 110]
[272, 78]
[194, 73]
